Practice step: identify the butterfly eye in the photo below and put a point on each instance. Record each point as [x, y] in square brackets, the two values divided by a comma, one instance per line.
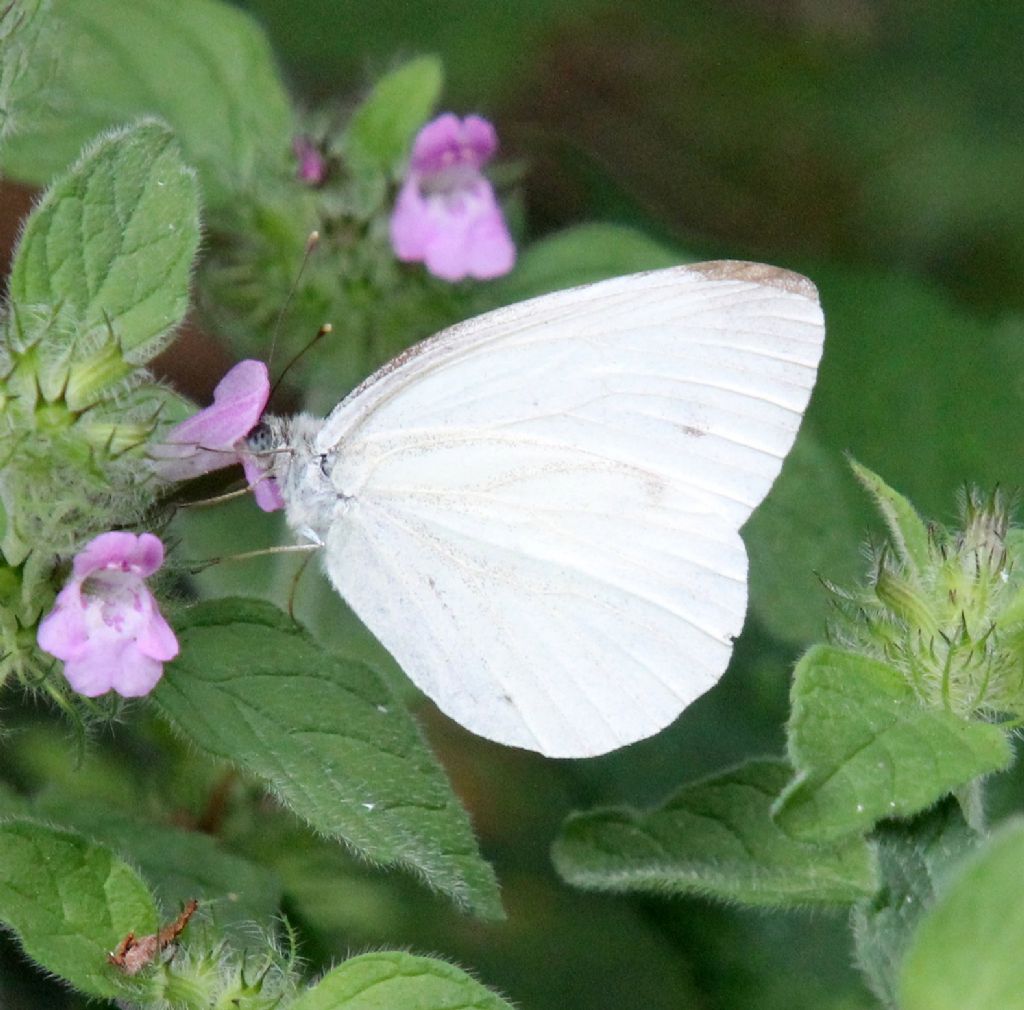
[261, 438]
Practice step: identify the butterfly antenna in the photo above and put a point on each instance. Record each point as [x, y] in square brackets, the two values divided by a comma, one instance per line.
[311, 243]
[320, 334]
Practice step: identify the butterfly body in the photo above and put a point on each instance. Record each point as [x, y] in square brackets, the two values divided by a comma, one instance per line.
[537, 512]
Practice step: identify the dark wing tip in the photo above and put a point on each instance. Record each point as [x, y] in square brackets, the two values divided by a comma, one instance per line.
[756, 273]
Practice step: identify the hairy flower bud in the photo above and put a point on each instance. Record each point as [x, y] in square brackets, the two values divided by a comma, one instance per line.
[948, 613]
[89, 377]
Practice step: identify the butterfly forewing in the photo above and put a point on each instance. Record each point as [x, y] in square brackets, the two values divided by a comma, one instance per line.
[541, 507]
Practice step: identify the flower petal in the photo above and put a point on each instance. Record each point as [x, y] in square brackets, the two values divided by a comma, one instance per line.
[108, 550]
[92, 673]
[147, 555]
[480, 137]
[448, 141]
[155, 639]
[62, 632]
[265, 491]
[412, 226]
[136, 675]
[474, 239]
[438, 144]
[492, 253]
[206, 441]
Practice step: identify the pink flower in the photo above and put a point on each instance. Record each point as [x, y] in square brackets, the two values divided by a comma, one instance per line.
[215, 436]
[312, 165]
[105, 623]
[447, 215]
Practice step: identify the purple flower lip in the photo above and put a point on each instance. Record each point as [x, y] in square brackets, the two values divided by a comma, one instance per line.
[105, 623]
[214, 437]
[446, 215]
[448, 141]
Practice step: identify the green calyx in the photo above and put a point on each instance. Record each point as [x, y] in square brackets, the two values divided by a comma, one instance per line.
[945, 607]
[23, 597]
[71, 417]
[95, 374]
[221, 979]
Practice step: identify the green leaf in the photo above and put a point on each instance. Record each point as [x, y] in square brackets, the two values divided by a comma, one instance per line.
[382, 128]
[714, 837]
[13, 804]
[913, 858]
[581, 255]
[177, 864]
[810, 526]
[203, 66]
[329, 739]
[113, 240]
[966, 952]
[865, 748]
[26, 59]
[70, 902]
[908, 339]
[907, 529]
[397, 979]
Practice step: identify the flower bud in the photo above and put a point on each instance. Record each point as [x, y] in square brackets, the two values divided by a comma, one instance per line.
[904, 600]
[950, 617]
[115, 439]
[90, 377]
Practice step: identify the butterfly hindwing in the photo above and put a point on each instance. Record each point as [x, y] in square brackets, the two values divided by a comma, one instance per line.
[542, 506]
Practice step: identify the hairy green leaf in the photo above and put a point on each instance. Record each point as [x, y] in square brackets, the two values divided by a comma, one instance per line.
[26, 59]
[810, 525]
[203, 66]
[70, 902]
[907, 529]
[327, 737]
[382, 128]
[913, 857]
[397, 979]
[113, 240]
[714, 837]
[966, 952]
[177, 864]
[865, 748]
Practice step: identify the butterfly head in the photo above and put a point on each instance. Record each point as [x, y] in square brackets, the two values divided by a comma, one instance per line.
[283, 449]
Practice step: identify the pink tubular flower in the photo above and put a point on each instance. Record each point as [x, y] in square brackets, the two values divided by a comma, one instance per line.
[312, 166]
[105, 623]
[447, 215]
[215, 436]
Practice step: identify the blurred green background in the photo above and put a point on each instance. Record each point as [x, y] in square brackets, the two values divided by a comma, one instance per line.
[877, 147]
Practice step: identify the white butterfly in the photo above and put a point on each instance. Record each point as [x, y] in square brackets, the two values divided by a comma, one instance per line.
[537, 511]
